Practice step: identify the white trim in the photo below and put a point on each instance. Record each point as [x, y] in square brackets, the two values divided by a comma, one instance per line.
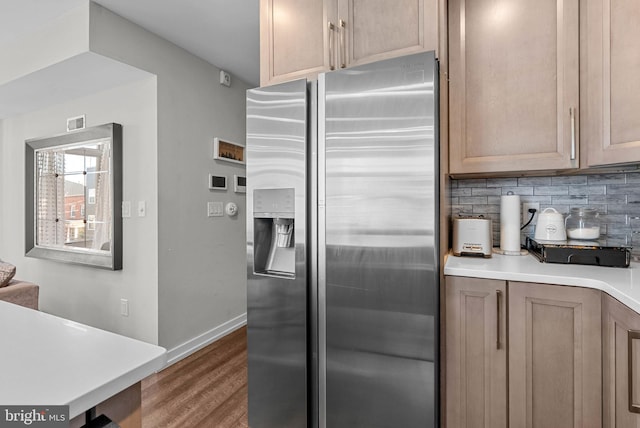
[189, 347]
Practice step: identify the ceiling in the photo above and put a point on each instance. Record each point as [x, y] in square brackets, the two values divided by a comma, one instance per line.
[222, 32]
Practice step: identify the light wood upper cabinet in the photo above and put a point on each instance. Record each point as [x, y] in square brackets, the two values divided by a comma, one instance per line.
[381, 29]
[476, 350]
[514, 85]
[301, 38]
[294, 39]
[620, 326]
[555, 375]
[612, 96]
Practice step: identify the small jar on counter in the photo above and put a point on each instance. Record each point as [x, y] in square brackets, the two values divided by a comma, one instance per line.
[583, 223]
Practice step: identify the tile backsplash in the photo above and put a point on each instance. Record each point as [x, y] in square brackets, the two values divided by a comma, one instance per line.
[615, 196]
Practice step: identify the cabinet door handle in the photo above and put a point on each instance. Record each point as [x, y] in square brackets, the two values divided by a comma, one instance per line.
[572, 116]
[498, 313]
[343, 51]
[632, 335]
[332, 30]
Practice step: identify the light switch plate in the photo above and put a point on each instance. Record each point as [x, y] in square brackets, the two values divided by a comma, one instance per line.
[142, 208]
[124, 307]
[126, 209]
[215, 209]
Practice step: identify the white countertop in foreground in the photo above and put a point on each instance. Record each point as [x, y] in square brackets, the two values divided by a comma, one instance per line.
[620, 283]
[47, 360]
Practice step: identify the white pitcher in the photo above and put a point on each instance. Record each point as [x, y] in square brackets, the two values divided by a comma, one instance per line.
[550, 226]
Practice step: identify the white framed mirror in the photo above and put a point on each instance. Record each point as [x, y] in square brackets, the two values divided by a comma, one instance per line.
[73, 190]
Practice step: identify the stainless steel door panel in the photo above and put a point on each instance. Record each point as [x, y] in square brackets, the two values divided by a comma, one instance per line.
[277, 306]
[381, 268]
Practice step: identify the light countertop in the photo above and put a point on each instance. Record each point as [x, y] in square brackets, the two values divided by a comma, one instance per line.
[620, 283]
[47, 360]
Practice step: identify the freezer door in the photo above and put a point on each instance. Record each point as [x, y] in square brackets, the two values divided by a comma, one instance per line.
[277, 255]
[379, 270]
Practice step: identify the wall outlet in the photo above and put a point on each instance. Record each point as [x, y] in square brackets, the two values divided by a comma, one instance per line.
[124, 307]
[525, 212]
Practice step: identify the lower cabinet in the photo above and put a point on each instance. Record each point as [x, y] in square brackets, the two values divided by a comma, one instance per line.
[621, 365]
[555, 376]
[541, 343]
[476, 349]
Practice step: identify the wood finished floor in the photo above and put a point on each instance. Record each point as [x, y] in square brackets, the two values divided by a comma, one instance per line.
[208, 389]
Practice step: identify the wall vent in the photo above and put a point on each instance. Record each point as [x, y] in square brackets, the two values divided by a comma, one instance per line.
[75, 123]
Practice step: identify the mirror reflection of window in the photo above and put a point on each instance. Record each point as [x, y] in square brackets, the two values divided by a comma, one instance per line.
[74, 185]
[66, 178]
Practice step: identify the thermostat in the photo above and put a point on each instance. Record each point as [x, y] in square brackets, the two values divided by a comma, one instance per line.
[239, 184]
[217, 182]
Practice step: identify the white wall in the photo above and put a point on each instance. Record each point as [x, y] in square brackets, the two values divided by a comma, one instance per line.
[3, 184]
[57, 41]
[83, 294]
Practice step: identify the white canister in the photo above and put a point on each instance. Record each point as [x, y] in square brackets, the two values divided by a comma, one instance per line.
[550, 226]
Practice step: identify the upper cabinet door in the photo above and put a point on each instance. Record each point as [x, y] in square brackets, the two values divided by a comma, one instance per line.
[302, 38]
[372, 30]
[612, 98]
[514, 85]
[297, 39]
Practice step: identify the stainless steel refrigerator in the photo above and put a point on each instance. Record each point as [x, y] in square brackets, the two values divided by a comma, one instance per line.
[342, 248]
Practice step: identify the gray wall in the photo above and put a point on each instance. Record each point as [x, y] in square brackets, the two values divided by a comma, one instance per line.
[184, 273]
[615, 196]
[201, 260]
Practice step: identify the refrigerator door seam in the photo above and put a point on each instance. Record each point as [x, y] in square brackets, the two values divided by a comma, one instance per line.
[322, 279]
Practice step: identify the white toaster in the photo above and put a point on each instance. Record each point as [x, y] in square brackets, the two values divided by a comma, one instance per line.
[472, 236]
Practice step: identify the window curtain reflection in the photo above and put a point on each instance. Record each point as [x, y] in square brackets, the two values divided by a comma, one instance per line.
[102, 235]
[50, 198]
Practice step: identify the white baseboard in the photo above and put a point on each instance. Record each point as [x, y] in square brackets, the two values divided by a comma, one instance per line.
[189, 347]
